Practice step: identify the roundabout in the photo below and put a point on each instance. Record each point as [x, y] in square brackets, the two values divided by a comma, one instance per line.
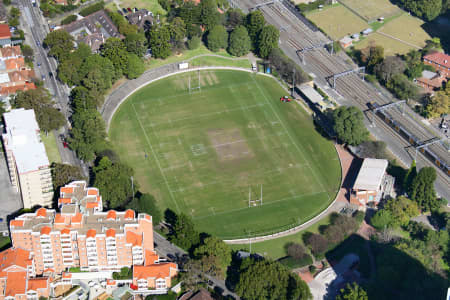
[220, 146]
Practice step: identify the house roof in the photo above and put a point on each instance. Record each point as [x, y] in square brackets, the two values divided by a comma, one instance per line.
[134, 238]
[16, 283]
[129, 214]
[435, 82]
[41, 212]
[12, 51]
[111, 215]
[15, 63]
[201, 294]
[346, 40]
[5, 33]
[8, 90]
[14, 257]
[91, 233]
[440, 58]
[46, 230]
[111, 232]
[371, 174]
[161, 270]
[37, 283]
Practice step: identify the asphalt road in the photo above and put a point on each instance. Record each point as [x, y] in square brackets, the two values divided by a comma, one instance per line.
[36, 29]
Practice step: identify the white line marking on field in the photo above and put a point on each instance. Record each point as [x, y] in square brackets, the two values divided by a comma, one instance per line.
[156, 158]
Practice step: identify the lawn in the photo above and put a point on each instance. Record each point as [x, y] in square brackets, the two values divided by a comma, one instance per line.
[50, 147]
[150, 5]
[203, 152]
[372, 9]
[407, 28]
[338, 21]
[221, 61]
[391, 46]
[5, 242]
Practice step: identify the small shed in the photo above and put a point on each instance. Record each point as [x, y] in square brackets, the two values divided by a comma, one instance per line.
[367, 31]
[355, 37]
[346, 42]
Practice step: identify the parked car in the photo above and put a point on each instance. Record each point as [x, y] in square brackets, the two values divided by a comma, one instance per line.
[38, 64]
[120, 12]
[50, 74]
[38, 43]
[43, 77]
[129, 9]
[91, 283]
[65, 144]
[124, 10]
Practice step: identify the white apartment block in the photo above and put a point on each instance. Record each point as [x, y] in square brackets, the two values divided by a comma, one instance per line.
[28, 165]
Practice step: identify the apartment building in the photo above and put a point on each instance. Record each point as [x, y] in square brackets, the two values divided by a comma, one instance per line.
[17, 276]
[28, 165]
[82, 235]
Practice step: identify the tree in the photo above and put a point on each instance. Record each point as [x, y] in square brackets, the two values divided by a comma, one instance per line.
[194, 43]
[114, 49]
[390, 66]
[240, 43]
[190, 12]
[422, 189]
[296, 251]
[146, 203]
[349, 126]
[177, 31]
[69, 70]
[209, 16]
[414, 64]
[382, 219]
[409, 177]
[60, 43]
[234, 18]
[63, 174]
[352, 292]
[28, 53]
[425, 9]
[159, 40]
[136, 43]
[317, 243]
[376, 55]
[183, 232]
[48, 117]
[269, 280]
[217, 38]
[114, 182]
[402, 87]
[268, 40]
[81, 99]
[88, 133]
[402, 210]
[212, 246]
[372, 149]
[440, 103]
[135, 67]
[7, 2]
[255, 24]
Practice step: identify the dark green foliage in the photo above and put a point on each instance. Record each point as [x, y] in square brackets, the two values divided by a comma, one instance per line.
[382, 219]
[124, 274]
[68, 19]
[122, 24]
[60, 43]
[293, 263]
[425, 9]
[285, 67]
[47, 116]
[317, 243]
[7, 2]
[159, 40]
[114, 49]
[234, 18]
[352, 292]
[372, 149]
[240, 43]
[69, 70]
[194, 43]
[209, 16]
[422, 189]
[63, 174]
[264, 279]
[146, 203]
[135, 66]
[409, 177]
[87, 134]
[183, 233]
[268, 40]
[414, 64]
[389, 67]
[92, 9]
[189, 12]
[218, 250]
[402, 210]
[136, 43]
[255, 24]
[349, 126]
[114, 182]
[81, 99]
[305, 7]
[376, 55]
[27, 52]
[217, 38]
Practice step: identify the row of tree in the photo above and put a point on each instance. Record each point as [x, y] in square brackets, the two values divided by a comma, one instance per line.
[425, 9]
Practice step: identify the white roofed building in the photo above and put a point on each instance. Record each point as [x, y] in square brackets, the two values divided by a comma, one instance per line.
[370, 182]
[28, 164]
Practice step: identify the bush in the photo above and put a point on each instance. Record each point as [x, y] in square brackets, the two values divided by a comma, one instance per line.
[92, 9]
[194, 43]
[293, 263]
[312, 268]
[295, 250]
[7, 2]
[68, 20]
[317, 243]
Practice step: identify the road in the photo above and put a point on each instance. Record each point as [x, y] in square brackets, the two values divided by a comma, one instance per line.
[163, 247]
[296, 34]
[36, 29]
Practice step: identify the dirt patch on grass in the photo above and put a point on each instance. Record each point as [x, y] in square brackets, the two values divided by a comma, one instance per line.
[229, 144]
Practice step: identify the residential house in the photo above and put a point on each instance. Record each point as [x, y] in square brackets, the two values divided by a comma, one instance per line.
[93, 30]
[17, 276]
[430, 81]
[154, 276]
[28, 164]
[201, 294]
[142, 18]
[439, 61]
[346, 42]
[5, 35]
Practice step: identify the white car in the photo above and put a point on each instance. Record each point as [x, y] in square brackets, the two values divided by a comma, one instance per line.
[92, 283]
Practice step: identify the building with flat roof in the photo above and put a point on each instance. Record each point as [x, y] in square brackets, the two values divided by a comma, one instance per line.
[82, 235]
[28, 165]
[370, 184]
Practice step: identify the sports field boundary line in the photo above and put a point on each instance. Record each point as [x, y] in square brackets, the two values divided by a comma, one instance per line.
[123, 92]
[156, 158]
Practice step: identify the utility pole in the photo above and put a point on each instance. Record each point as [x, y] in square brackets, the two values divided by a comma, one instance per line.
[293, 82]
[132, 187]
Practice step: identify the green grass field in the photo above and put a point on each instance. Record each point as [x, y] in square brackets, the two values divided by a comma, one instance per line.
[391, 46]
[50, 147]
[407, 28]
[207, 148]
[338, 21]
[372, 9]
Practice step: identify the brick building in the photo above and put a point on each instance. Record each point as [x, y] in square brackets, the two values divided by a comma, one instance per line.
[439, 61]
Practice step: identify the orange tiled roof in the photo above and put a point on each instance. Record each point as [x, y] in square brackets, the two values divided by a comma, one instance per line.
[8, 90]
[15, 63]
[440, 58]
[150, 257]
[64, 200]
[65, 231]
[111, 232]
[41, 212]
[92, 191]
[91, 205]
[11, 51]
[111, 214]
[16, 223]
[134, 238]
[153, 271]
[59, 219]
[4, 31]
[77, 218]
[37, 283]
[14, 257]
[46, 230]
[129, 214]
[16, 283]
[111, 282]
[66, 189]
[91, 233]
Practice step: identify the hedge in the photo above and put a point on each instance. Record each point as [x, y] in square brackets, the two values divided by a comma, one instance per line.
[68, 20]
[293, 263]
[92, 9]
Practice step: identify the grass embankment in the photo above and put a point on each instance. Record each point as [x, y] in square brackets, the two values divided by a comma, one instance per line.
[51, 147]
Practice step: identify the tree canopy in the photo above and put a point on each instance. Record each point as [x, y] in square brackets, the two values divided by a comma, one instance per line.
[255, 24]
[218, 251]
[183, 232]
[402, 210]
[159, 41]
[240, 43]
[146, 203]
[217, 38]
[60, 43]
[352, 292]
[136, 43]
[349, 126]
[439, 104]
[63, 174]
[425, 9]
[268, 40]
[422, 189]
